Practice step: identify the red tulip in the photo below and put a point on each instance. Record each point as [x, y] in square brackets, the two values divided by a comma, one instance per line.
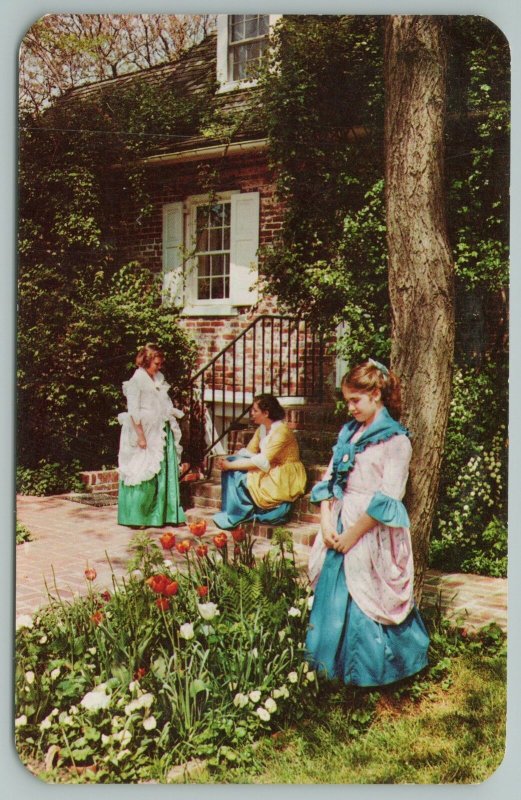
[239, 535]
[184, 546]
[90, 574]
[198, 527]
[202, 591]
[167, 540]
[97, 618]
[105, 596]
[171, 589]
[220, 540]
[140, 673]
[163, 603]
[202, 550]
[157, 583]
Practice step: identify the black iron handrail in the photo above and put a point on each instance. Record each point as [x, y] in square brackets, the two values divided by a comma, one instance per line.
[274, 354]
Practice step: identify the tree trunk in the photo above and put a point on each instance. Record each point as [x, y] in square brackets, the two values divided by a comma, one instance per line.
[421, 269]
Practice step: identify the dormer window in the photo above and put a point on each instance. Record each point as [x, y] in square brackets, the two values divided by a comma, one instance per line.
[248, 39]
[242, 40]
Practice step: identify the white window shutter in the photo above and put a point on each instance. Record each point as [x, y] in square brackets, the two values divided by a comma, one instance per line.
[243, 248]
[173, 242]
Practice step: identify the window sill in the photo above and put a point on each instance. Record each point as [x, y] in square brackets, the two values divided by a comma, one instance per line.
[224, 310]
[231, 86]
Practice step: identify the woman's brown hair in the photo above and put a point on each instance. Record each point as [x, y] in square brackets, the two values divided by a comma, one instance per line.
[146, 354]
[270, 405]
[369, 376]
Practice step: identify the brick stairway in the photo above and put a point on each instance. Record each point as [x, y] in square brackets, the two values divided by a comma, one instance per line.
[316, 428]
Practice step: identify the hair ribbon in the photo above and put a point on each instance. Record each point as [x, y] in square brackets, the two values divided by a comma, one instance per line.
[383, 369]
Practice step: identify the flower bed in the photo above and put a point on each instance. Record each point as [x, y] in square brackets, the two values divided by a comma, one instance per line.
[170, 666]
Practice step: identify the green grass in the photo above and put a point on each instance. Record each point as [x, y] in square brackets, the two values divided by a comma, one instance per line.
[454, 733]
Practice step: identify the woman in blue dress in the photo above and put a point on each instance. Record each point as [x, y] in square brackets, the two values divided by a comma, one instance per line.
[364, 627]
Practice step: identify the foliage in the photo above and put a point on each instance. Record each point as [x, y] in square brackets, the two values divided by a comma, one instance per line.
[23, 534]
[83, 309]
[451, 731]
[323, 100]
[49, 478]
[326, 79]
[470, 526]
[201, 663]
[167, 667]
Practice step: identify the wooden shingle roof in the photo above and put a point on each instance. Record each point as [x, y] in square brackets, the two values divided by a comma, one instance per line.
[194, 72]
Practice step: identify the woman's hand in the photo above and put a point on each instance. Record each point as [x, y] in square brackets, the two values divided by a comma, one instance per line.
[223, 464]
[345, 541]
[329, 533]
[329, 536]
[141, 441]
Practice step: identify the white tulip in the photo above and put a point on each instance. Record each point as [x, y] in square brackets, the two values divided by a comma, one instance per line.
[95, 700]
[270, 705]
[187, 630]
[255, 696]
[149, 723]
[263, 714]
[208, 610]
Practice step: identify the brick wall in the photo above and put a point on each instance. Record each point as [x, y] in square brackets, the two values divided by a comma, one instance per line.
[143, 241]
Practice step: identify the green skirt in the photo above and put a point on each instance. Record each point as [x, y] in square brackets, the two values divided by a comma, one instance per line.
[155, 502]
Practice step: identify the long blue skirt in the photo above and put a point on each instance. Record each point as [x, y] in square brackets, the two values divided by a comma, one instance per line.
[238, 505]
[345, 643]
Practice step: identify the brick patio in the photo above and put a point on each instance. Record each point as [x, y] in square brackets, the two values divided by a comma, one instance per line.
[68, 537]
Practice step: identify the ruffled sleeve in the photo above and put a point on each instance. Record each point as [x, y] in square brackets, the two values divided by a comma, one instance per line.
[320, 490]
[132, 392]
[385, 505]
[388, 511]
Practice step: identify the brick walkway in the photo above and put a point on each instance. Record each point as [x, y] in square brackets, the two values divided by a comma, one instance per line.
[68, 537]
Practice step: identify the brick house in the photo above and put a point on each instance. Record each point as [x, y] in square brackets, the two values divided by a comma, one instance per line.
[207, 246]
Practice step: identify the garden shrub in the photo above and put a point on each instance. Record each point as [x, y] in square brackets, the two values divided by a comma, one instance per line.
[470, 533]
[49, 478]
[167, 667]
[83, 308]
[70, 386]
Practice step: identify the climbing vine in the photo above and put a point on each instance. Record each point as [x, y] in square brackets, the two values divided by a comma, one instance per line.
[323, 99]
[83, 310]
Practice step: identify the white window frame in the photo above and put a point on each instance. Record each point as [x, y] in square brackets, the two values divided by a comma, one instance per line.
[224, 77]
[193, 303]
[180, 264]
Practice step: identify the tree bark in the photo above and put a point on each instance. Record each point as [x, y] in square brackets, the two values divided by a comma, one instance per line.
[421, 268]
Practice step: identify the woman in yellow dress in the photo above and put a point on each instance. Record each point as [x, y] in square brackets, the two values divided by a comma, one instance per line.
[262, 480]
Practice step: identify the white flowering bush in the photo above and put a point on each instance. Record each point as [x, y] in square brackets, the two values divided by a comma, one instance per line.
[470, 533]
[120, 686]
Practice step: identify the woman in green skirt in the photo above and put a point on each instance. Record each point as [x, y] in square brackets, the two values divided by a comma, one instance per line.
[149, 448]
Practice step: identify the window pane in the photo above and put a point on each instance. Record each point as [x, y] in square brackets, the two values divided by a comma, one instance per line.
[201, 241]
[237, 27]
[203, 289]
[216, 215]
[203, 265]
[226, 238]
[218, 289]
[215, 242]
[217, 265]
